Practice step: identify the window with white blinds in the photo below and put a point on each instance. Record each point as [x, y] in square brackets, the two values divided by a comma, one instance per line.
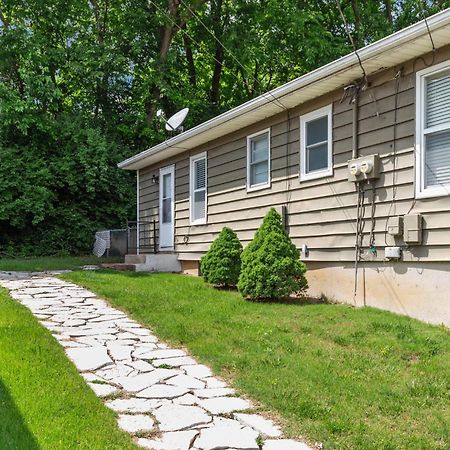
[433, 131]
[198, 189]
[258, 160]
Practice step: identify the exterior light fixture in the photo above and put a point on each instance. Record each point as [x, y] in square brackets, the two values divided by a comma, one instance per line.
[155, 179]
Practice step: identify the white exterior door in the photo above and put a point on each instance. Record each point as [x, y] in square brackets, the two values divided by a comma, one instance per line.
[166, 207]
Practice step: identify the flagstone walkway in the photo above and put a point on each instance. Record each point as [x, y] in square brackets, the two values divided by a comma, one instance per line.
[158, 392]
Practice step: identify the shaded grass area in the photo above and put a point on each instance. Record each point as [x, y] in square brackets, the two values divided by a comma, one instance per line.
[351, 378]
[44, 403]
[43, 263]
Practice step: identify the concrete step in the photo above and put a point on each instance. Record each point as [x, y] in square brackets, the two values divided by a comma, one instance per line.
[134, 259]
[161, 262]
[120, 266]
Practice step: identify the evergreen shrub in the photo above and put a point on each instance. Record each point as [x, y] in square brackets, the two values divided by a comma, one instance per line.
[271, 266]
[222, 263]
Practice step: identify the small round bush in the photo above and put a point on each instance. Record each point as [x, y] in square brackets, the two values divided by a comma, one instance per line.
[271, 266]
[222, 264]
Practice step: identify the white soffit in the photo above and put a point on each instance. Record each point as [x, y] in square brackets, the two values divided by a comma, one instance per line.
[395, 49]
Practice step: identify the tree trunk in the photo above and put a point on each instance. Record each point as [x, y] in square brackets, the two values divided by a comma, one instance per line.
[101, 95]
[388, 11]
[215, 82]
[357, 13]
[175, 23]
[255, 79]
[190, 61]
[217, 20]
[244, 80]
[167, 34]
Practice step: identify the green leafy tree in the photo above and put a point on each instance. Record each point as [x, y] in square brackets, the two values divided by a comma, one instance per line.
[81, 80]
[271, 266]
[222, 263]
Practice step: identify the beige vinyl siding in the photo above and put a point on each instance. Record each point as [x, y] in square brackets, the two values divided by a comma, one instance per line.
[321, 213]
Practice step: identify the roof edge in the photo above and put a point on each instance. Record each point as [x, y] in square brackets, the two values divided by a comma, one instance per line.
[385, 44]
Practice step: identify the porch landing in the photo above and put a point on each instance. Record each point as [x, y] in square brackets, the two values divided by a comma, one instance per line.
[160, 262]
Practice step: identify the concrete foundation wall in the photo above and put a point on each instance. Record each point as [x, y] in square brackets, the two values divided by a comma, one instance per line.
[419, 290]
[190, 267]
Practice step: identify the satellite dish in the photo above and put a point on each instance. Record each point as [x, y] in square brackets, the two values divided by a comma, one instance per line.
[174, 123]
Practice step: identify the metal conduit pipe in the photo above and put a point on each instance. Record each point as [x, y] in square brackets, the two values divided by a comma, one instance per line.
[358, 210]
[355, 139]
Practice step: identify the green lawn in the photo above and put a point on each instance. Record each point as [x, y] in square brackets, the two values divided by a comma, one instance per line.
[351, 378]
[43, 263]
[44, 403]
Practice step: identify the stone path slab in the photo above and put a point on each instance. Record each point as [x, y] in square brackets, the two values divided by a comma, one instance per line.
[179, 406]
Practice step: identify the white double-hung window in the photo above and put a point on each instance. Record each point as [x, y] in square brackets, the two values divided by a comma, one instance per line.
[198, 189]
[258, 160]
[316, 158]
[433, 131]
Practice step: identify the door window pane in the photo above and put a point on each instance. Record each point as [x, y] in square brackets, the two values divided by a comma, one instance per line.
[167, 210]
[167, 188]
[167, 198]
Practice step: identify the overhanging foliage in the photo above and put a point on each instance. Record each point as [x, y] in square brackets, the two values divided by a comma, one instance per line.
[80, 81]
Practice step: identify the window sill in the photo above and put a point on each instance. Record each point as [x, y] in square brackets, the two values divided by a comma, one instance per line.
[198, 222]
[433, 193]
[316, 175]
[258, 187]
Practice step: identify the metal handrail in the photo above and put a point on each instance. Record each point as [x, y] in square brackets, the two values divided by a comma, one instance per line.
[147, 243]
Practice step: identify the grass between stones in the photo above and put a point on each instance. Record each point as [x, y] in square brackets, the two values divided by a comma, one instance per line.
[43, 263]
[350, 378]
[44, 402]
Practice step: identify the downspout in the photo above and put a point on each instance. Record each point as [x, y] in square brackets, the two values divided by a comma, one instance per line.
[137, 212]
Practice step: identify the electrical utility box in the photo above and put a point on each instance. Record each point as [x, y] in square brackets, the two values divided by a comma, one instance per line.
[395, 226]
[412, 229]
[392, 253]
[364, 168]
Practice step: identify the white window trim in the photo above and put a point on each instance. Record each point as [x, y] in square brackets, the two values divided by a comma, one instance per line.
[325, 111]
[193, 159]
[258, 187]
[421, 190]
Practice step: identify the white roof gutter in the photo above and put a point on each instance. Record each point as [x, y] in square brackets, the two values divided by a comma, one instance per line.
[385, 45]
